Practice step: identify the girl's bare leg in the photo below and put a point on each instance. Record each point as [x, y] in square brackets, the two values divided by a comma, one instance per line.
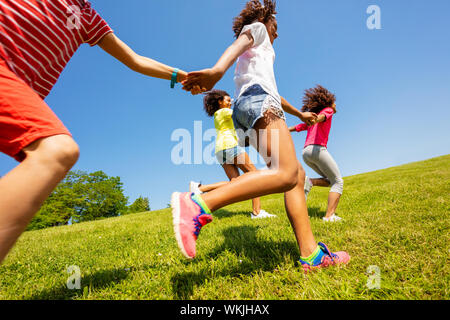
[333, 197]
[24, 189]
[256, 205]
[283, 176]
[244, 163]
[333, 201]
[321, 182]
[213, 186]
[295, 203]
[232, 172]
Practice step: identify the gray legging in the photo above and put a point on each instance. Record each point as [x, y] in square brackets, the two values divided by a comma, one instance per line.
[319, 159]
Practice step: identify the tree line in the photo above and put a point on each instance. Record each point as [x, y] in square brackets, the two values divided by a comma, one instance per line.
[83, 196]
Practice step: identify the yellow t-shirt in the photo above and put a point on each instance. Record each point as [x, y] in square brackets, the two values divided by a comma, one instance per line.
[226, 133]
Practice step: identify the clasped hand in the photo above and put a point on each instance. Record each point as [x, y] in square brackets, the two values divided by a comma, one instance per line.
[201, 81]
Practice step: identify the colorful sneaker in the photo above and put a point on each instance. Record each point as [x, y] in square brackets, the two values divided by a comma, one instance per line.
[263, 214]
[326, 258]
[308, 186]
[333, 218]
[188, 220]
[195, 187]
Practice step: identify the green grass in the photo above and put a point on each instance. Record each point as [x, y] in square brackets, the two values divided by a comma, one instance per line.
[397, 219]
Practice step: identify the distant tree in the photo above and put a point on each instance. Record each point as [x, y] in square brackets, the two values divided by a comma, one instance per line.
[141, 204]
[82, 196]
[56, 210]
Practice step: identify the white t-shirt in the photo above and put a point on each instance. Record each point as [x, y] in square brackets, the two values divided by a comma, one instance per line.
[255, 66]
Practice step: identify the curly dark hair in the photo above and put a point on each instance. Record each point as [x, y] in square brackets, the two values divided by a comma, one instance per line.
[318, 98]
[212, 99]
[254, 11]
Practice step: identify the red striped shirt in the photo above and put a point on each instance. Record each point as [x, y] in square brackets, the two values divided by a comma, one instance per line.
[38, 37]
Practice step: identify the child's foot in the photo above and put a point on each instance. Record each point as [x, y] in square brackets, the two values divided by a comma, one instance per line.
[308, 186]
[195, 187]
[188, 220]
[263, 214]
[333, 218]
[323, 258]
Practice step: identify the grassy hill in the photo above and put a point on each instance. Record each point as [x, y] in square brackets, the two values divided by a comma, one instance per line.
[397, 219]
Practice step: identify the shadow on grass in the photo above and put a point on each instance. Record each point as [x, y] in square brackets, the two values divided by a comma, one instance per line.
[316, 212]
[313, 212]
[95, 281]
[241, 241]
[224, 214]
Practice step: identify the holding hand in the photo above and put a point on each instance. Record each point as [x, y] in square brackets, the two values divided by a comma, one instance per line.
[310, 118]
[181, 76]
[201, 81]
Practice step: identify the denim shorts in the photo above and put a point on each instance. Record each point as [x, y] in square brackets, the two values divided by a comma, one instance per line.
[250, 107]
[227, 156]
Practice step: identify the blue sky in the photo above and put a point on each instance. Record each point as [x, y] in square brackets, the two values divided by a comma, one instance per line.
[392, 85]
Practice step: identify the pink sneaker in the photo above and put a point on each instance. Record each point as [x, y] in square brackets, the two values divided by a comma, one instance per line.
[188, 220]
[326, 259]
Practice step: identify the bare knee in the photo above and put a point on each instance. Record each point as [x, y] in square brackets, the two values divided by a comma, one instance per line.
[288, 178]
[61, 151]
[66, 152]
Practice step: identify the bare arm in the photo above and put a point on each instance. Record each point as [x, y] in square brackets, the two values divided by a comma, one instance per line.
[308, 117]
[119, 50]
[207, 78]
[242, 44]
[289, 108]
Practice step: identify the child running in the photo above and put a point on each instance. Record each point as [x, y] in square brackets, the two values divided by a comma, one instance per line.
[37, 40]
[315, 154]
[229, 154]
[258, 107]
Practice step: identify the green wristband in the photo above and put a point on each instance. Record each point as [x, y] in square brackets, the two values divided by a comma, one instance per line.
[174, 78]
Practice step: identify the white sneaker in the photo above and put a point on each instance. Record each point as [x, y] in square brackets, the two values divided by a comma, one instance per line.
[333, 218]
[263, 214]
[308, 186]
[194, 187]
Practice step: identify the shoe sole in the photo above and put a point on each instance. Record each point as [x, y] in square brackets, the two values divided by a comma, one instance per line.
[175, 203]
[264, 217]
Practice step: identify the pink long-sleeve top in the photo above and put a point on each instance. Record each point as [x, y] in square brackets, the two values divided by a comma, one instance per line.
[318, 133]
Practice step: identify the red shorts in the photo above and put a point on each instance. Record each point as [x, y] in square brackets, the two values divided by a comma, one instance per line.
[24, 116]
